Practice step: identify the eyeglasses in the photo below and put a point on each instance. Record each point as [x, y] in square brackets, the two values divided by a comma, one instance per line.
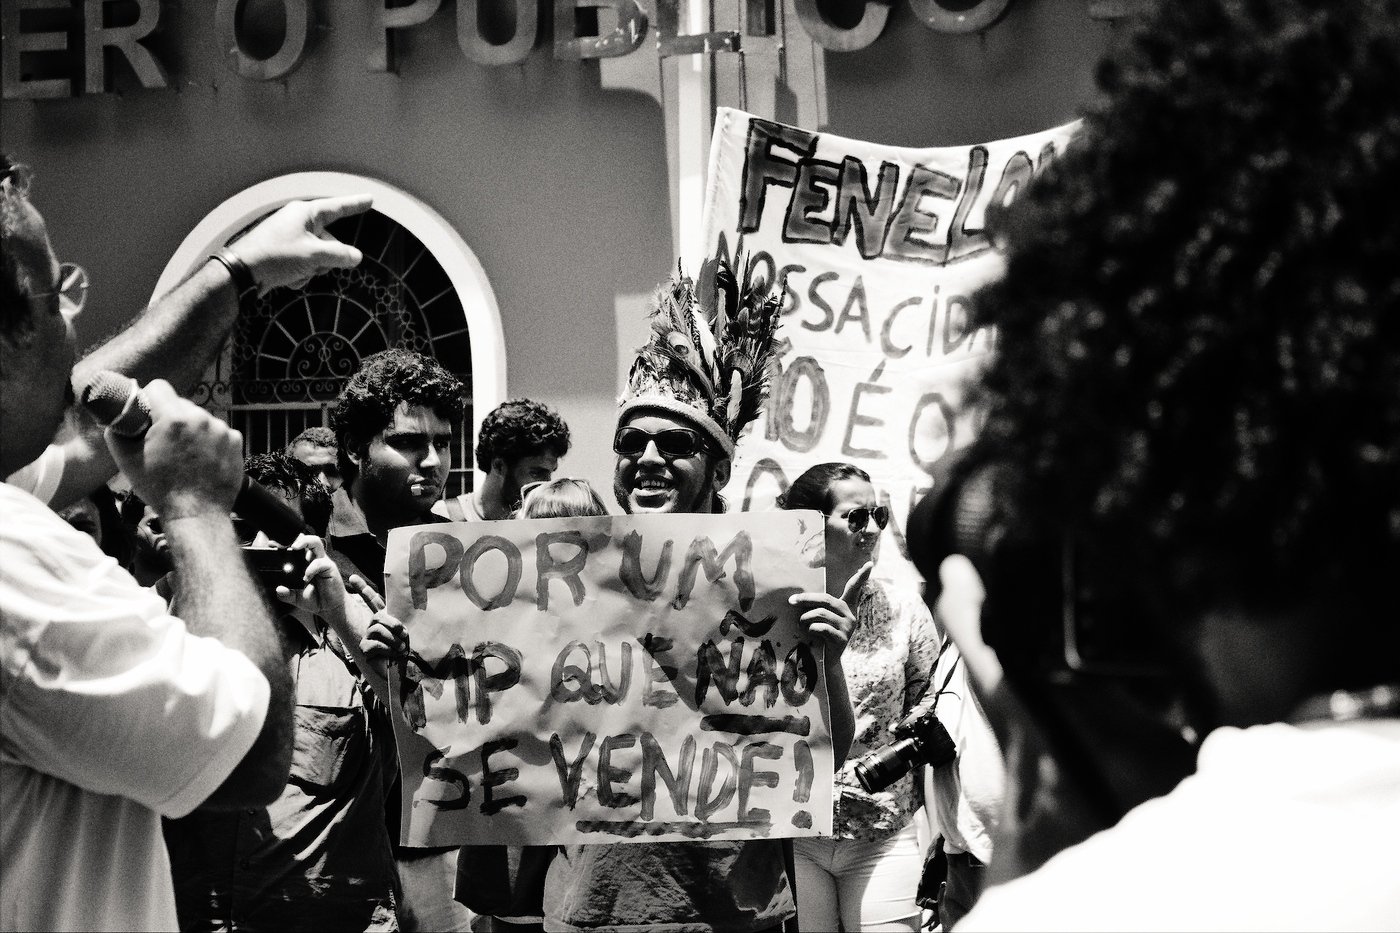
[859, 519]
[72, 289]
[673, 443]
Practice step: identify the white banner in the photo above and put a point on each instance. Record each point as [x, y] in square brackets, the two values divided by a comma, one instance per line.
[881, 248]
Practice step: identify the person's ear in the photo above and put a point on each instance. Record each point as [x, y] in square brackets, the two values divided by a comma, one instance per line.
[720, 474]
[354, 455]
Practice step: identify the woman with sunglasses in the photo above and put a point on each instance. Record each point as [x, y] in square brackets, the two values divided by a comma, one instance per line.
[864, 876]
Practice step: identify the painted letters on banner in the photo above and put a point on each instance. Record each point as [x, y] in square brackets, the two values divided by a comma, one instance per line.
[881, 248]
[611, 679]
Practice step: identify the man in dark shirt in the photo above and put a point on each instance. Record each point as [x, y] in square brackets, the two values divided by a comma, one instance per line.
[319, 857]
[393, 426]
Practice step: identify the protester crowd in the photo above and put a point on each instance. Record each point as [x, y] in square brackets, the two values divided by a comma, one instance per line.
[1155, 669]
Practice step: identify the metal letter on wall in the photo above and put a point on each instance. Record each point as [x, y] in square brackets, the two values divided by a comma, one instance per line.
[631, 30]
[126, 40]
[383, 18]
[285, 60]
[478, 49]
[836, 39]
[669, 41]
[17, 43]
[961, 19]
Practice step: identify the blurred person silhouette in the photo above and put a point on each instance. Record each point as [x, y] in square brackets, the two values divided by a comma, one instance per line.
[1184, 506]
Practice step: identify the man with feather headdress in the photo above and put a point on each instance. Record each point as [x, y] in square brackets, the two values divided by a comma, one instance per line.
[691, 392]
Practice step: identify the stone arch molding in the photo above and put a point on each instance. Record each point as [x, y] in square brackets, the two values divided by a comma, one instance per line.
[483, 319]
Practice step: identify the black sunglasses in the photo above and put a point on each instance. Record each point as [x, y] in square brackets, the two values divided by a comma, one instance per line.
[859, 518]
[673, 444]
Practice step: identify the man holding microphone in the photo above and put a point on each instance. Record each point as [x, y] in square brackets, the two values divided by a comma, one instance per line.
[112, 712]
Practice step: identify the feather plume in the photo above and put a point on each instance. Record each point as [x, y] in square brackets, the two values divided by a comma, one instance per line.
[718, 364]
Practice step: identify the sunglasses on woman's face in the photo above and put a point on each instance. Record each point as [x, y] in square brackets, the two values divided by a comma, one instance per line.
[859, 519]
[673, 444]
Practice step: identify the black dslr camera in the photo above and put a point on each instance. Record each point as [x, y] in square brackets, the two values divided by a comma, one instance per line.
[922, 741]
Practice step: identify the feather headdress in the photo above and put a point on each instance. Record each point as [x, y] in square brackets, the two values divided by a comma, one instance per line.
[708, 358]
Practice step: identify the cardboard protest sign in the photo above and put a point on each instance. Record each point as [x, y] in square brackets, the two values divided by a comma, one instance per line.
[610, 679]
[881, 248]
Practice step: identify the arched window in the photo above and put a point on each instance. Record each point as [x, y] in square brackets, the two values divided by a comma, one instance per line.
[419, 287]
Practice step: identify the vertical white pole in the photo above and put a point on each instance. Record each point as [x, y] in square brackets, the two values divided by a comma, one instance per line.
[694, 112]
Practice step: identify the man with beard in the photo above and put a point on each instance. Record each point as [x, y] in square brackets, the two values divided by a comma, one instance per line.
[519, 443]
[393, 425]
[678, 424]
[112, 712]
[180, 333]
[315, 447]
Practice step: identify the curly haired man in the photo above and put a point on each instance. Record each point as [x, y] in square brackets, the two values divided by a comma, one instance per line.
[521, 442]
[393, 426]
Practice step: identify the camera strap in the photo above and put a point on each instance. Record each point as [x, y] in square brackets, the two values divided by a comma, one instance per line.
[952, 668]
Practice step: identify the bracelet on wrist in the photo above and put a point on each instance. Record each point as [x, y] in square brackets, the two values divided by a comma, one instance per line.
[238, 272]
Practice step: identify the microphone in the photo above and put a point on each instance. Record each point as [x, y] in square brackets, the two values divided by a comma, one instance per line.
[114, 401]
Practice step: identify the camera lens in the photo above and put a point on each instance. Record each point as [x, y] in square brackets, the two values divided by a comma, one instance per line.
[879, 769]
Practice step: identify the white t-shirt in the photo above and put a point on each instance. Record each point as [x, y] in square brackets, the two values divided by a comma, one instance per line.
[111, 716]
[1281, 828]
[966, 797]
[466, 504]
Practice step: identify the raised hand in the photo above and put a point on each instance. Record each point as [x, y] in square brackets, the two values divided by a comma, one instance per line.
[829, 618]
[292, 246]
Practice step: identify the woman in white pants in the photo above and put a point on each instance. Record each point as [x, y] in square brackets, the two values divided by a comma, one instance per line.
[865, 876]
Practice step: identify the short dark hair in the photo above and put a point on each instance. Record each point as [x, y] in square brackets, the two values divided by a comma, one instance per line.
[22, 256]
[1199, 324]
[316, 437]
[519, 428]
[283, 473]
[812, 490]
[386, 379]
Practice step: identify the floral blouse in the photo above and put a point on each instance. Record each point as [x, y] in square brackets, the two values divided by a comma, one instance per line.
[887, 663]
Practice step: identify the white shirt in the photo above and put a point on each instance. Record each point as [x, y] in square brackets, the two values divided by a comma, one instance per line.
[41, 478]
[466, 502]
[966, 796]
[111, 716]
[1281, 828]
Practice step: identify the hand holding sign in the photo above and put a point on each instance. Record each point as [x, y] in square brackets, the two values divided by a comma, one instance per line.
[605, 679]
